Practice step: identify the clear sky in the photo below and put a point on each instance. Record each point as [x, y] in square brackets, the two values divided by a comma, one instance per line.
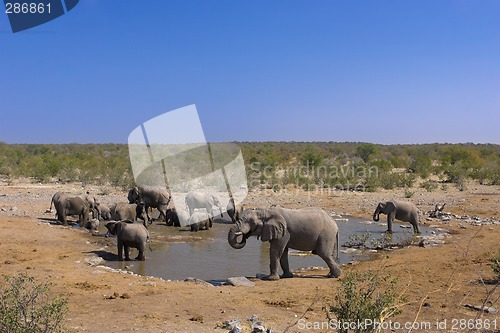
[310, 70]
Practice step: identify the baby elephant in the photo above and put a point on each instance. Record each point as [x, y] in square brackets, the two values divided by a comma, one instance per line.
[92, 225]
[200, 220]
[129, 234]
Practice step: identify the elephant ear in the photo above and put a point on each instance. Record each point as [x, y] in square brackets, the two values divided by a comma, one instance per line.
[390, 206]
[274, 227]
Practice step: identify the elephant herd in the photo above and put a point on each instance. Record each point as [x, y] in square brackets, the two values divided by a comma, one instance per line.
[306, 229]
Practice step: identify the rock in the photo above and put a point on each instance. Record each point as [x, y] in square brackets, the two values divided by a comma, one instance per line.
[233, 325]
[198, 281]
[427, 305]
[3, 209]
[125, 296]
[240, 281]
[94, 261]
[13, 209]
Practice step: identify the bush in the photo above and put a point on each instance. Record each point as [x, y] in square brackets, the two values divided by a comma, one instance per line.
[26, 307]
[362, 299]
[429, 185]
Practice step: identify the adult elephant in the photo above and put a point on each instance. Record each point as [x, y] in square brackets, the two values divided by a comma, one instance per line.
[307, 229]
[197, 199]
[234, 211]
[72, 206]
[129, 234]
[152, 196]
[91, 201]
[401, 210]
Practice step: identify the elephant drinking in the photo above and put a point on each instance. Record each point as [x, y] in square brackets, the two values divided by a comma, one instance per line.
[307, 229]
[401, 210]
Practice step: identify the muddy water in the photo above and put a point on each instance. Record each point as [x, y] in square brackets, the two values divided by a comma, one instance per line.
[177, 253]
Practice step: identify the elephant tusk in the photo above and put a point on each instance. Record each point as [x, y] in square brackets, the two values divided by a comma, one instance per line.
[239, 233]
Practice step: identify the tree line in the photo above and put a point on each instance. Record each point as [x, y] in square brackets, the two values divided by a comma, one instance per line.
[275, 164]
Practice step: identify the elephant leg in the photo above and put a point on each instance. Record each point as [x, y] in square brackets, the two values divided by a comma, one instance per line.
[284, 264]
[141, 256]
[120, 250]
[328, 258]
[127, 252]
[277, 248]
[390, 218]
[416, 230]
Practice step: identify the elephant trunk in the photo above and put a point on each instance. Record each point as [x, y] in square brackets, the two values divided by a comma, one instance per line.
[376, 216]
[232, 238]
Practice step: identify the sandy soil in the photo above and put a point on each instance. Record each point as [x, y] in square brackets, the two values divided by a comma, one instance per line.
[437, 281]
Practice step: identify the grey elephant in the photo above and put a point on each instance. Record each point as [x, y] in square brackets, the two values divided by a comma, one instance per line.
[57, 197]
[104, 211]
[153, 197]
[91, 201]
[72, 206]
[401, 210]
[126, 211]
[92, 225]
[198, 199]
[174, 217]
[129, 234]
[307, 229]
[200, 220]
[234, 211]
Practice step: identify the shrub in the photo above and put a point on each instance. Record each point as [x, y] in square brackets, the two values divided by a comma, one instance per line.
[362, 298]
[409, 193]
[26, 307]
[429, 185]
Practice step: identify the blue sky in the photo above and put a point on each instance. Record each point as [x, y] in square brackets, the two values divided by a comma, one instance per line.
[372, 71]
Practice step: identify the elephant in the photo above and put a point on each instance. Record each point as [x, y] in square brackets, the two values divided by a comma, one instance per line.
[200, 220]
[72, 206]
[92, 225]
[129, 234]
[152, 196]
[104, 211]
[401, 210]
[307, 229]
[125, 211]
[174, 217]
[91, 201]
[57, 197]
[234, 211]
[93, 204]
[198, 199]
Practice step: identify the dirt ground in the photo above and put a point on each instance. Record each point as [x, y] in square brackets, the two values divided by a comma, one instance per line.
[437, 280]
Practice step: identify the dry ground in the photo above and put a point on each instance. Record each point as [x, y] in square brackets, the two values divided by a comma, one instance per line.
[444, 278]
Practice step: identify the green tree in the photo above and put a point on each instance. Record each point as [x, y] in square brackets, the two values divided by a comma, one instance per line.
[365, 150]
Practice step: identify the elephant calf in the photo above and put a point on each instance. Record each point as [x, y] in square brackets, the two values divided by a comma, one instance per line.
[401, 210]
[129, 234]
[199, 221]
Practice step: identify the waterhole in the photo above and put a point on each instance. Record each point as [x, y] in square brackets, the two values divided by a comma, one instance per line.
[177, 253]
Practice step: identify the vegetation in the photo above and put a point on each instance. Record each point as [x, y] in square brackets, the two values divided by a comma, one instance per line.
[26, 307]
[319, 165]
[363, 302]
